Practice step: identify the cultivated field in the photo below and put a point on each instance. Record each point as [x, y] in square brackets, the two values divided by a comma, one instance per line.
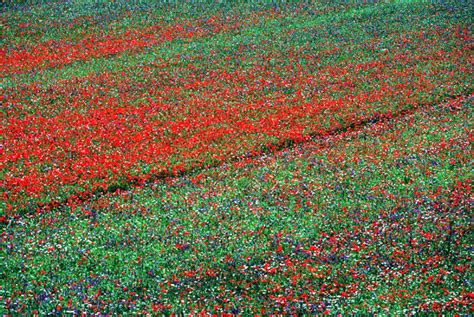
[236, 158]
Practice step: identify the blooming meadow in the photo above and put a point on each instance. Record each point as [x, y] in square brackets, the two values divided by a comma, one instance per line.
[236, 158]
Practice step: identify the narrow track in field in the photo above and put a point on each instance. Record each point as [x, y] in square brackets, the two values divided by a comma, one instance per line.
[264, 151]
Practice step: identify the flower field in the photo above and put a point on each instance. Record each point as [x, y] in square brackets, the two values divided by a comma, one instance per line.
[236, 159]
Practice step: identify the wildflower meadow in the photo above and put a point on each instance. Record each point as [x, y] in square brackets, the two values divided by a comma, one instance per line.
[236, 158]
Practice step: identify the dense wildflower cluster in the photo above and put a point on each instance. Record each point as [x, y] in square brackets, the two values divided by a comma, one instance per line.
[236, 159]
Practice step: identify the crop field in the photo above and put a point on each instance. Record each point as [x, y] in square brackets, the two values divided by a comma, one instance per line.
[231, 158]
